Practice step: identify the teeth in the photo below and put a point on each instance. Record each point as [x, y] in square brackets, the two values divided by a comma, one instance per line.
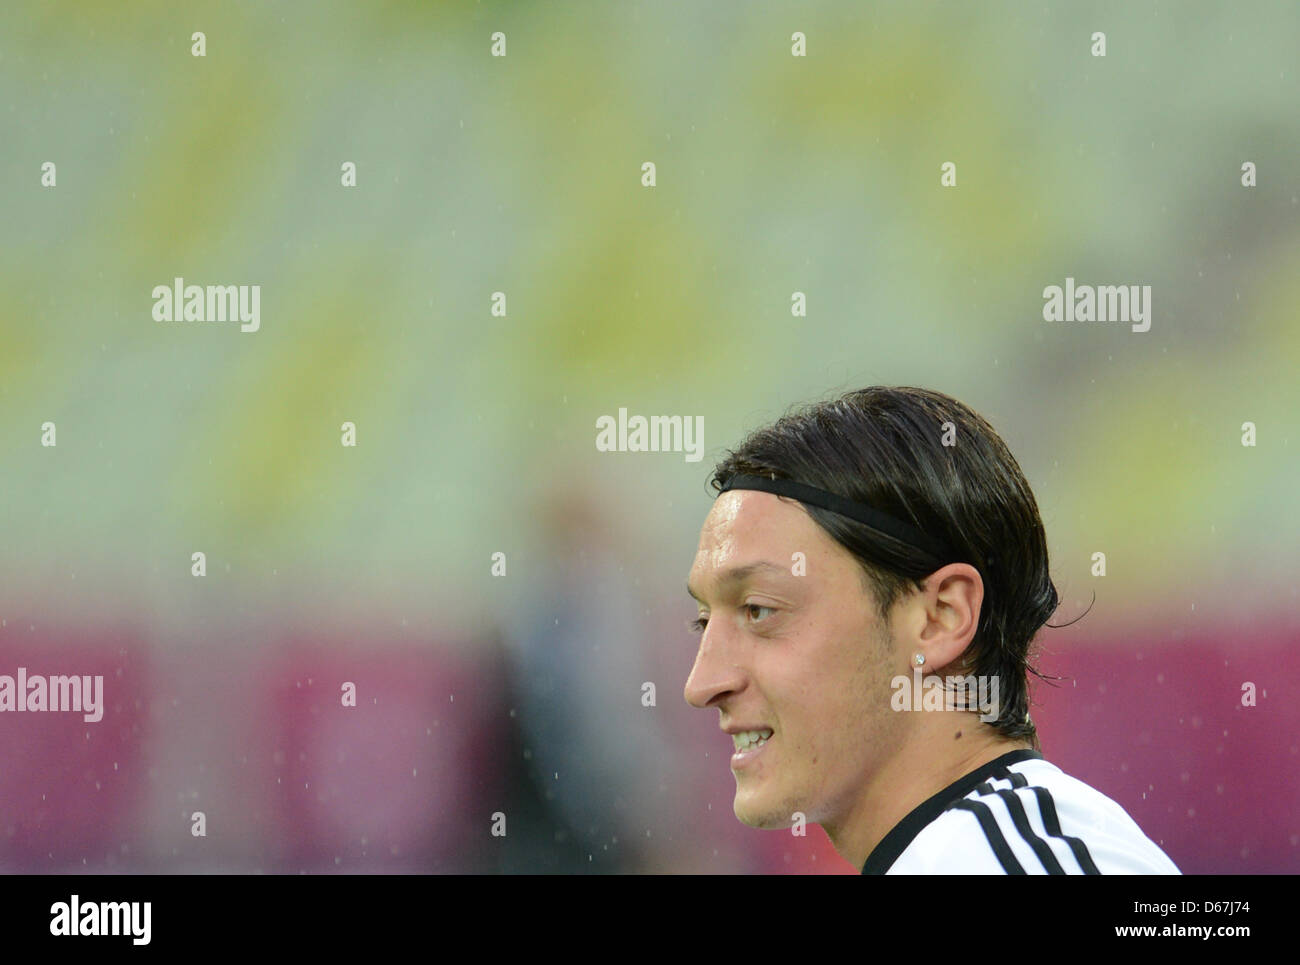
[751, 738]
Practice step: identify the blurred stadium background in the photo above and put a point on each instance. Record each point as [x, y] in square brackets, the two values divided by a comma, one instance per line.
[521, 694]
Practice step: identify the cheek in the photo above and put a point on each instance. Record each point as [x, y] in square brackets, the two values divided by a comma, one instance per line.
[855, 706]
[830, 687]
[834, 703]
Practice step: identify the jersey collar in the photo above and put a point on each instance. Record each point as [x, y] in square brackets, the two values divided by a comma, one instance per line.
[896, 841]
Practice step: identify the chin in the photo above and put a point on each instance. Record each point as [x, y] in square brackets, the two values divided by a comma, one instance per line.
[751, 810]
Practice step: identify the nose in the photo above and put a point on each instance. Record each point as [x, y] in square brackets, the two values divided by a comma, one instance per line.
[716, 673]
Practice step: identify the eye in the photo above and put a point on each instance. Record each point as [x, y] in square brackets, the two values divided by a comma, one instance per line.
[697, 625]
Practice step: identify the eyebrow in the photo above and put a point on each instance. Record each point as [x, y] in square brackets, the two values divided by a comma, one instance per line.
[738, 574]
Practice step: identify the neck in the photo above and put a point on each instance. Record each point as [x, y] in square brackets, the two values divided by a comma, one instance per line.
[921, 769]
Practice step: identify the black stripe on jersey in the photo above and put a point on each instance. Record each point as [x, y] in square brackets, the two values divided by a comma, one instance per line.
[1047, 808]
[1020, 818]
[994, 835]
[1021, 821]
[999, 774]
[1041, 848]
[1015, 777]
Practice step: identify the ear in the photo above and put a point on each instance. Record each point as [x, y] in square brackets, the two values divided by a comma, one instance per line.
[947, 614]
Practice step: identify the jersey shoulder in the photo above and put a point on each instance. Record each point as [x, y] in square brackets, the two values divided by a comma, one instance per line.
[1032, 818]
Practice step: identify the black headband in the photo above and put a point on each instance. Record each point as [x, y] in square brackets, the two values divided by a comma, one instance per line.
[867, 515]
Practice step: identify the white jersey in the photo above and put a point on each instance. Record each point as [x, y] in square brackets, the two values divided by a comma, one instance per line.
[1017, 815]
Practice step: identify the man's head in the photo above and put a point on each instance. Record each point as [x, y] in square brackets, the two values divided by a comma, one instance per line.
[828, 612]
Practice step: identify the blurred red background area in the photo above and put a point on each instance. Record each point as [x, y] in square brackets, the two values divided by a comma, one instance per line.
[72, 791]
[407, 779]
[289, 779]
[1158, 725]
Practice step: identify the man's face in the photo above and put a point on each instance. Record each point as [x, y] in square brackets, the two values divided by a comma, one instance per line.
[803, 656]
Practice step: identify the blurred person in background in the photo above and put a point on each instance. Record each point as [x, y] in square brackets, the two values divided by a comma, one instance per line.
[581, 653]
